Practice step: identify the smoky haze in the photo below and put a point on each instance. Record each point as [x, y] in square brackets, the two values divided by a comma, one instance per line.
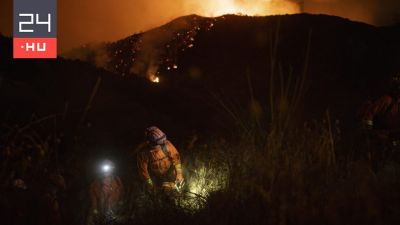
[83, 21]
[377, 12]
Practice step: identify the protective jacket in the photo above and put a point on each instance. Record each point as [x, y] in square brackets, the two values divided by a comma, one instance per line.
[105, 193]
[154, 164]
[383, 113]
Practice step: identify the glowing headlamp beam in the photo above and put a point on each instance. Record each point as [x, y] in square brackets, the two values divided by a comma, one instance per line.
[106, 168]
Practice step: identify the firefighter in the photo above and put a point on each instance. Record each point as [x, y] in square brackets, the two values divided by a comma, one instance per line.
[51, 194]
[381, 120]
[105, 195]
[159, 163]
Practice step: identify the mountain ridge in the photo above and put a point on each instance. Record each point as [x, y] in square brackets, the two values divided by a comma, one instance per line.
[231, 60]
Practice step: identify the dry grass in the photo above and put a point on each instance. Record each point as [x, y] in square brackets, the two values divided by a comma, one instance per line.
[272, 171]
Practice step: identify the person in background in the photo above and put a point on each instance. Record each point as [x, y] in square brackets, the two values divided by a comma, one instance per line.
[105, 195]
[51, 194]
[381, 121]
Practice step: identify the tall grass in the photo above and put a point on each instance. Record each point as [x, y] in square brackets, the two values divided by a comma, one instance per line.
[273, 169]
[285, 171]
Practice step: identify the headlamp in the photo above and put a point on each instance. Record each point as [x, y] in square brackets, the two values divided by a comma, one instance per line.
[107, 167]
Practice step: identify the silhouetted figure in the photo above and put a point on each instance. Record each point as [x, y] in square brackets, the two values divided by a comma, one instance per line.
[50, 198]
[381, 120]
[105, 196]
[16, 202]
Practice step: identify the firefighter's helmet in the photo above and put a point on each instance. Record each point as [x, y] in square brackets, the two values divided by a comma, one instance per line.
[155, 136]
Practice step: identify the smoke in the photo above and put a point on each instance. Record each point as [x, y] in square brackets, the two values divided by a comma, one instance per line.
[377, 12]
[152, 47]
[95, 53]
[152, 43]
[248, 7]
[84, 21]
[90, 20]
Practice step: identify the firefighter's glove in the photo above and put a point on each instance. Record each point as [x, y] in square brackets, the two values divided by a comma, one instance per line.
[95, 212]
[179, 173]
[179, 185]
[149, 185]
[368, 124]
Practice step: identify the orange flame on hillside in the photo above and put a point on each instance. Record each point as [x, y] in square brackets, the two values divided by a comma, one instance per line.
[215, 8]
[184, 36]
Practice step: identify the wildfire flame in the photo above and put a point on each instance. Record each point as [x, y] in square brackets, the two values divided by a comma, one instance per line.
[215, 8]
[186, 39]
[155, 79]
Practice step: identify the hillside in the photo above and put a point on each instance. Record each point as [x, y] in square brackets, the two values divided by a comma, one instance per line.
[262, 109]
[218, 59]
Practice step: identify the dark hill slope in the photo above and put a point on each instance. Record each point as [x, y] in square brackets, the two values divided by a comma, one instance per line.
[347, 61]
[224, 57]
[122, 107]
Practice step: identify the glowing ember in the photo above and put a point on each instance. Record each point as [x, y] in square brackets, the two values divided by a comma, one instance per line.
[155, 79]
[249, 7]
[183, 39]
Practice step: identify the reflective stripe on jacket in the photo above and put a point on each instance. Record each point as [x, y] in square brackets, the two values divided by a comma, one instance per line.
[383, 113]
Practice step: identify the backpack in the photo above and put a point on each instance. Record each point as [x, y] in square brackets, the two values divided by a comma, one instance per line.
[165, 151]
[379, 121]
